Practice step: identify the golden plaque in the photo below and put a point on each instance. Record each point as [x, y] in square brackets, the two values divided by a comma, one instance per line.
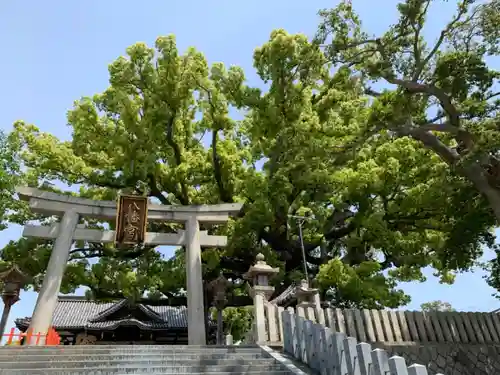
[131, 220]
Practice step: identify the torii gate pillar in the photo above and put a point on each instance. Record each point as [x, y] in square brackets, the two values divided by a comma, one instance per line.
[46, 302]
[67, 231]
[194, 281]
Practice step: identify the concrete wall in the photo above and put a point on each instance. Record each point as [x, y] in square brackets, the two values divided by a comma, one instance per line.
[449, 359]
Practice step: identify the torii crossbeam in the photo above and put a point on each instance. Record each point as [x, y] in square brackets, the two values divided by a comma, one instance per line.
[71, 209]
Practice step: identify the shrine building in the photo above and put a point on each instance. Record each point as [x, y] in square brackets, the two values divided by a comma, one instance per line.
[82, 322]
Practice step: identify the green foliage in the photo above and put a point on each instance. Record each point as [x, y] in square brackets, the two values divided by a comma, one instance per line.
[363, 286]
[436, 306]
[237, 321]
[443, 94]
[9, 173]
[382, 207]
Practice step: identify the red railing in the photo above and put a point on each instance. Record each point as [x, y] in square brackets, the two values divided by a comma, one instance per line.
[51, 337]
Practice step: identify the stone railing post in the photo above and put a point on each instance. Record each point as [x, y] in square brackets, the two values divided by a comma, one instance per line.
[309, 297]
[261, 291]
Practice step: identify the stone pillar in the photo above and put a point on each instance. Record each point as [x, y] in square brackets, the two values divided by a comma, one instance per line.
[5, 315]
[218, 287]
[195, 308]
[47, 297]
[13, 280]
[260, 274]
[309, 297]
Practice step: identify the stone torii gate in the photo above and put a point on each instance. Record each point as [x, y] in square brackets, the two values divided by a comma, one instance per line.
[71, 209]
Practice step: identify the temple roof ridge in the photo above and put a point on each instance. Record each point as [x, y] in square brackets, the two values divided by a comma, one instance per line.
[110, 310]
[78, 312]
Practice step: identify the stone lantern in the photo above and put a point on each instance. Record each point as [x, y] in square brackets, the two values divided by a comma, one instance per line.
[13, 280]
[309, 298]
[219, 288]
[260, 274]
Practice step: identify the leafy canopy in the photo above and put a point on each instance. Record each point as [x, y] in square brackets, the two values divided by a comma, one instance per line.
[381, 209]
[436, 306]
[9, 177]
[443, 93]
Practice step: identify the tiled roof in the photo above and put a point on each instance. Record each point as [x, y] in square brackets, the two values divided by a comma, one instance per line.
[79, 313]
[107, 311]
[287, 295]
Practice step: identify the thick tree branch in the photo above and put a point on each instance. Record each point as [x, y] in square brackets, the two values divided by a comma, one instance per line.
[491, 96]
[237, 265]
[442, 36]
[460, 134]
[432, 142]
[225, 195]
[84, 256]
[371, 92]
[100, 251]
[183, 196]
[171, 300]
[438, 117]
[417, 28]
[444, 127]
[155, 192]
[338, 233]
[415, 87]
[444, 99]
[317, 261]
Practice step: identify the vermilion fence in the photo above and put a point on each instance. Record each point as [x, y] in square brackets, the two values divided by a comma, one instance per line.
[51, 337]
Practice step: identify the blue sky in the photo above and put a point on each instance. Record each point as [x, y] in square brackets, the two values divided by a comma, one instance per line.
[57, 51]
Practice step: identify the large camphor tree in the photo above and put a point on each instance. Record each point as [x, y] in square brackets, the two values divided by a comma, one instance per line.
[444, 93]
[182, 132]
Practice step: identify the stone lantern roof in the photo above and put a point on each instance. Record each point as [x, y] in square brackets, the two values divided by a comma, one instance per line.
[260, 268]
[14, 275]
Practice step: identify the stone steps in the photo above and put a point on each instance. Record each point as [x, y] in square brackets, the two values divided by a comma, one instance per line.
[138, 347]
[134, 371]
[132, 348]
[214, 366]
[144, 365]
[152, 360]
[167, 358]
[87, 350]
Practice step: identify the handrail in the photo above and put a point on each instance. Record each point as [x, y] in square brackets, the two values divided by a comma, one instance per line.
[51, 337]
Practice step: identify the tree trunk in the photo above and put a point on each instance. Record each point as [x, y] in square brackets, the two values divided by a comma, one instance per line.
[206, 307]
[220, 328]
[476, 174]
[473, 171]
[5, 317]
[493, 197]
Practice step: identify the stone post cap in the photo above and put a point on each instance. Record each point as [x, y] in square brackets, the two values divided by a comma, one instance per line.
[220, 283]
[303, 289]
[13, 280]
[13, 274]
[260, 268]
[219, 287]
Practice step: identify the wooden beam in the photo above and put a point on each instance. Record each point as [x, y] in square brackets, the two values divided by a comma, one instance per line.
[108, 236]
